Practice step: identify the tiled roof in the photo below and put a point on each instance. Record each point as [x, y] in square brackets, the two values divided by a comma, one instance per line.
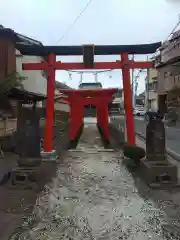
[61, 85]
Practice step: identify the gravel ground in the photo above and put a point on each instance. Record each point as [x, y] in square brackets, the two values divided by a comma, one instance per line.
[94, 196]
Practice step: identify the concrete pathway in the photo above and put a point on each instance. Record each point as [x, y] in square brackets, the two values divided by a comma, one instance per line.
[95, 197]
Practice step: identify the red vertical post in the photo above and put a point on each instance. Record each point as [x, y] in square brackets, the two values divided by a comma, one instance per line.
[76, 115]
[97, 114]
[50, 104]
[82, 112]
[104, 124]
[73, 123]
[128, 99]
[106, 121]
[100, 119]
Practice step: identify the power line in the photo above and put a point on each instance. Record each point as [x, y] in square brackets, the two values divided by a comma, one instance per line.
[172, 31]
[175, 27]
[74, 22]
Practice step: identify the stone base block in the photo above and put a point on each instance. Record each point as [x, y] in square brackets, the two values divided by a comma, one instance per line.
[49, 156]
[28, 162]
[159, 174]
[25, 178]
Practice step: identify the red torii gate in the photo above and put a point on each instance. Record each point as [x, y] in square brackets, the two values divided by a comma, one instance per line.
[51, 66]
[78, 98]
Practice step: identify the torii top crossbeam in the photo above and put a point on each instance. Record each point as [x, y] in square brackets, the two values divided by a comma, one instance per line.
[98, 49]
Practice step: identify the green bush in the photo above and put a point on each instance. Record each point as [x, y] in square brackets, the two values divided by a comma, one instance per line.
[134, 152]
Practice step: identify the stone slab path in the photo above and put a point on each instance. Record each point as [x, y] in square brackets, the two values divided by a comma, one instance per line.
[95, 197]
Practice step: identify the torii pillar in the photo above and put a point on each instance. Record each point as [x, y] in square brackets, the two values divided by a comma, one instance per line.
[76, 114]
[102, 118]
[128, 105]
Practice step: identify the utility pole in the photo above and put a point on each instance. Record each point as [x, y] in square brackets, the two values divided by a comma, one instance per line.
[135, 91]
[132, 85]
[147, 90]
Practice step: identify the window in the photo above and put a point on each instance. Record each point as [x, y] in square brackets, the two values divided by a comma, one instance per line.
[177, 79]
[165, 74]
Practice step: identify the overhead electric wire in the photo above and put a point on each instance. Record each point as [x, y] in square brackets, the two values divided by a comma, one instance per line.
[175, 27]
[74, 22]
[172, 31]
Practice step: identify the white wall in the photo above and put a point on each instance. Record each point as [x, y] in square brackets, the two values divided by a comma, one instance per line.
[154, 105]
[35, 82]
[62, 106]
[118, 100]
[153, 100]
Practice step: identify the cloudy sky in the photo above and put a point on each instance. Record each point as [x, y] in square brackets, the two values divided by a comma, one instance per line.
[103, 22]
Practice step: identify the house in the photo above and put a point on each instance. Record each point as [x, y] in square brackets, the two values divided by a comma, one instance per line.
[35, 84]
[35, 81]
[118, 102]
[59, 103]
[167, 64]
[140, 100]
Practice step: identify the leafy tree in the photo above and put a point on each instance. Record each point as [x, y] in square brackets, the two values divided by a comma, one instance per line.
[13, 80]
[173, 98]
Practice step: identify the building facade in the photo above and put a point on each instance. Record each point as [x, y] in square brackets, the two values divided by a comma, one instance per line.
[59, 103]
[168, 68]
[151, 96]
[118, 103]
[35, 81]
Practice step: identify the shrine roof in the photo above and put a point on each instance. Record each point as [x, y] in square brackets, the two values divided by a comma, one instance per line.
[24, 95]
[90, 92]
[37, 50]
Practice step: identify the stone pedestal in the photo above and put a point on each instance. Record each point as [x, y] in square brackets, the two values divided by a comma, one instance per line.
[156, 170]
[24, 178]
[49, 156]
[28, 147]
[29, 162]
[158, 174]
